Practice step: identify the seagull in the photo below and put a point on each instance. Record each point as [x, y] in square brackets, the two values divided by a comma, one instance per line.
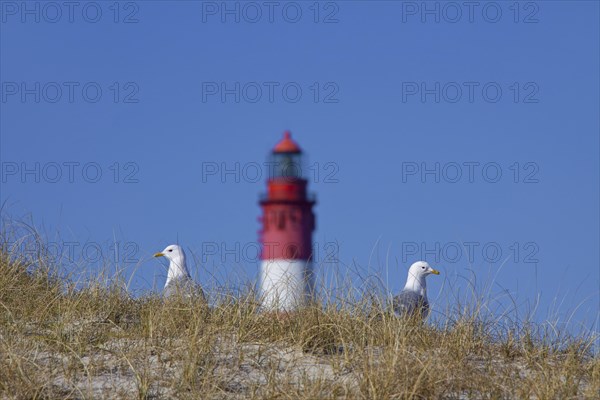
[179, 279]
[413, 298]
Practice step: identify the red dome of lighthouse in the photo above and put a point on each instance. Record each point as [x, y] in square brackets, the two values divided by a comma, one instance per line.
[287, 145]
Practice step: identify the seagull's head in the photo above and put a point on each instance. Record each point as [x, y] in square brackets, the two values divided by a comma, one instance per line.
[173, 253]
[422, 269]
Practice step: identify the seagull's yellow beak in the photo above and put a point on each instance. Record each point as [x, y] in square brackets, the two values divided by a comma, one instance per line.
[161, 254]
[435, 271]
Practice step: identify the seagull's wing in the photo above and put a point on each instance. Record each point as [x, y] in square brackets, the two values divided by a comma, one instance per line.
[409, 303]
[184, 286]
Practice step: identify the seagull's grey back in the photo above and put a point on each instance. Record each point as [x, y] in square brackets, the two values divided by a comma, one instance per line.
[184, 286]
[409, 302]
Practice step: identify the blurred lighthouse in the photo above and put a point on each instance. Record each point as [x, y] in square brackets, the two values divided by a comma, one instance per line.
[286, 271]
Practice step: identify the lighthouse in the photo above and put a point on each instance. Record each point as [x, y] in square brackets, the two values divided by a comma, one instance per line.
[286, 270]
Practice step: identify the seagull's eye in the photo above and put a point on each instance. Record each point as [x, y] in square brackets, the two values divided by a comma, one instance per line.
[170, 250]
[421, 267]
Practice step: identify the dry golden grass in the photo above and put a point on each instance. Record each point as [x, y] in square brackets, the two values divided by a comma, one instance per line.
[58, 342]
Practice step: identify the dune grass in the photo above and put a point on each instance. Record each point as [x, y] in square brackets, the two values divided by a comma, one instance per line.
[61, 340]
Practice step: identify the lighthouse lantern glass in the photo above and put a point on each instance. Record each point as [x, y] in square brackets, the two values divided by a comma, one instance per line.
[287, 165]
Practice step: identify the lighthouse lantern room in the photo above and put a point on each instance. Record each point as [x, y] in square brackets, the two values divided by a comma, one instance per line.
[286, 271]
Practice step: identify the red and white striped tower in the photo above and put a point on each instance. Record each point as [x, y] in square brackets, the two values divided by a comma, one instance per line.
[286, 271]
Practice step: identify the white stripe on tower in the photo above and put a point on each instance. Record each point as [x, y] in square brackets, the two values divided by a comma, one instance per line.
[286, 284]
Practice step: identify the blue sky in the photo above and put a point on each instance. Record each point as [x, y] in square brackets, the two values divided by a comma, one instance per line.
[376, 92]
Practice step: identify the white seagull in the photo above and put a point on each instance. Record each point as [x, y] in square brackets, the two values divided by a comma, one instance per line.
[179, 279]
[413, 298]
